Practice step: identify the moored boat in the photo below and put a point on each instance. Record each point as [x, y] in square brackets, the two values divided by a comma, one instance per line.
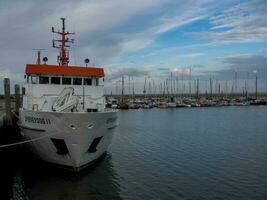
[64, 110]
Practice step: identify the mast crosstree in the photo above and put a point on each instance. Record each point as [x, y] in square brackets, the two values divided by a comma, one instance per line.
[63, 57]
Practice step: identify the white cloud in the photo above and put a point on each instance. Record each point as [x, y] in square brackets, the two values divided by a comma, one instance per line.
[244, 22]
[129, 71]
[192, 55]
[15, 77]
[104, 29]
[245, 62]
[27, 25]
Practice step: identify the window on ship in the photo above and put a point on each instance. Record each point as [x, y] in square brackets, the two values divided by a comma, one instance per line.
[97, 81]
[87, 81]
[43, 80]
[66, 81]
[77, 81]
[33, 79]
[55, 80]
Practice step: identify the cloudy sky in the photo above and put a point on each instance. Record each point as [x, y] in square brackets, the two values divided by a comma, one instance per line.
[143, 39]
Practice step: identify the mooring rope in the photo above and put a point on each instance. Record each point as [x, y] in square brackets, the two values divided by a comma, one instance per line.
[27, 141]
[24, 142]
[15, 114]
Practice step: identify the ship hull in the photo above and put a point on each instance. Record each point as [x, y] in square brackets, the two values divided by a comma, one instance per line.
[70, 140]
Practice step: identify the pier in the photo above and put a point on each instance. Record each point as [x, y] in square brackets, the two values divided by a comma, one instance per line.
[2, 114]
[9, 105]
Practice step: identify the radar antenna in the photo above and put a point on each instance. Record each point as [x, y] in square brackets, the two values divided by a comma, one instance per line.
[63, 58]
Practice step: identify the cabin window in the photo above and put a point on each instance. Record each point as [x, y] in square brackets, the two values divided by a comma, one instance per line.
[43, 80]
[66, 81]
[87, 81]
[97, 81]
[34, 79]
[55, 80]
[77, 81]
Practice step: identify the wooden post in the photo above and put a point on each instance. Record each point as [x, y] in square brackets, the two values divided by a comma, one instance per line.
[17, 98]
[23, 90]
[7, 102]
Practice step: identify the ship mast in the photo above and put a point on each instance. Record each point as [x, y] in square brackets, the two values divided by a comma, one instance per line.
[63, 57]
[38, 60]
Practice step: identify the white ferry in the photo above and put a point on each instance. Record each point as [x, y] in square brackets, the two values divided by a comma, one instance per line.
[64, 111]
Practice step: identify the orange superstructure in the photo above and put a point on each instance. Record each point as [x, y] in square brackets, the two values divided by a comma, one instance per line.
[64, 70]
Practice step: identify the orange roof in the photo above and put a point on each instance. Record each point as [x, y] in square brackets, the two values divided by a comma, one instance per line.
[64, 70]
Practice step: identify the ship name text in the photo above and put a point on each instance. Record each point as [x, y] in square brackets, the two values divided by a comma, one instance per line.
[37, 120]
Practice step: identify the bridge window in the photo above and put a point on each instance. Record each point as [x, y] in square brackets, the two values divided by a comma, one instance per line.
[97, 81]
[34, 79]
[87, 81]
[66, 81]
[55, 80]
[43, 80]
[77, 81]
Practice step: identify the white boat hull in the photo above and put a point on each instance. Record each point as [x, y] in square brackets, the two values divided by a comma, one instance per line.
[68, 139]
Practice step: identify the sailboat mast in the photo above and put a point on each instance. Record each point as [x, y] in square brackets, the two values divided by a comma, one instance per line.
[122, 89]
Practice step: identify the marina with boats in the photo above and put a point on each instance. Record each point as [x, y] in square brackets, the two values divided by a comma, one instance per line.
[66, 118]
[129, 100]
[177, 101]
[181, 90]
[63, 117]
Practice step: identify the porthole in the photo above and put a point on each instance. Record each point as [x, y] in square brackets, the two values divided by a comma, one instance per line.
[90, 126]
[72, 127]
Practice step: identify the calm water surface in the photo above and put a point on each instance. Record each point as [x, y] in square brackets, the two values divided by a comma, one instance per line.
[202, 153]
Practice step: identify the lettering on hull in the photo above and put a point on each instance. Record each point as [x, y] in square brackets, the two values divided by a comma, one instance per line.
[37, 120]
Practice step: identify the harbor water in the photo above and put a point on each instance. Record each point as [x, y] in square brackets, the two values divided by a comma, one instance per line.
[181, 153]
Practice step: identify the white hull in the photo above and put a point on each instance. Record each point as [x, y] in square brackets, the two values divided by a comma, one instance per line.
[69, 139]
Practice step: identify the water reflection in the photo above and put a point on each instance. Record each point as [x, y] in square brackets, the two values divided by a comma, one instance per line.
[23, 177]
[209, 153]
[7, 173]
